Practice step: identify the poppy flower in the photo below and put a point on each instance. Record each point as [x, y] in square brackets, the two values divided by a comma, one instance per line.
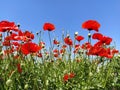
[6, 43]
[86, 45]
[115, 51]
[56, 51]
[79, 38]
[94, 50]
[68, 41]
[91, 25]
[48, 26]
[39, 54]
[106, 40]
[28, 34]
[56, 55]
[64, 46]
[55, 42]
[106, 52]
[30, 47]
[66, 77]
[7, 26]
[97, 36]
[62, 51]
[72, 75]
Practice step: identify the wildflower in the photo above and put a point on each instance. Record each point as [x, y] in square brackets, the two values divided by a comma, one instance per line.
[79, 38]
[7, 26]
[56, 55]
[106, 40]
[97, 36]
[55, 42]
[66, 77]
[48, 26]
[68, 41]
[30, 48]
[114, 51]
[86, 45]
[6, 43]
[72, 75]
[28, 34]
[91, 25]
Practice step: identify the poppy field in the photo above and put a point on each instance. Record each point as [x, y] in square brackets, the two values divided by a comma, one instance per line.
[67, 64]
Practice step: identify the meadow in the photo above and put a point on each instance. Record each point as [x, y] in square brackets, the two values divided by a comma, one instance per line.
[66, 65]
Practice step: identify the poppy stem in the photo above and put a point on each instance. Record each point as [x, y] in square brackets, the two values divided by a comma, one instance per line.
[50, 39]
[89, 37]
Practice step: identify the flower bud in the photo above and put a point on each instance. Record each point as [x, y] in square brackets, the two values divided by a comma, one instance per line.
[9, 82]
[76, 33]
[89, 34]
[26, 86]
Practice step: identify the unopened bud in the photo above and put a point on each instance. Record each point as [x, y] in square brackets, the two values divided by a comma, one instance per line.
[89, 34]
[18, 25]
[26, 86]
[68, 35]
[9, 82]
[76, 33]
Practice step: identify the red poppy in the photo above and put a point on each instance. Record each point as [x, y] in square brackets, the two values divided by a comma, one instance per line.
[30, 48]
[106, 40]
[48, 26]
[11, 37]
[62, 51]
[66, 77]
[68, 41]
[94, 50]
[56, 51]
[79, 38]
[77, 46]
[56, 55]
[105, 52]
[86, 45]
[114, 51]
[91, 25]
[55, 42]
[15, 43]
[6, 43]
[72, 75]
[7, 26]
[64, 46]
[28, 34]
[39, 54]
[97, 36]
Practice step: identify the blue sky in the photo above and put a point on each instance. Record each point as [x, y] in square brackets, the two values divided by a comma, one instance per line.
[65, 14]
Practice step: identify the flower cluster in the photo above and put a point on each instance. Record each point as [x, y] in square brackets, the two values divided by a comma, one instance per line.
[67, 64]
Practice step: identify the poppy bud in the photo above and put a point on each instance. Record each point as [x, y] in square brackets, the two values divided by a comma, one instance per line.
[37, 33]
[89, 35]
[18, 25]
[9, 82]
[26, 86]
[68, 35]
[76, 33]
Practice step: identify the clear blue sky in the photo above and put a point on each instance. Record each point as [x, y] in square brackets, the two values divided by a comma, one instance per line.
[67, 14]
